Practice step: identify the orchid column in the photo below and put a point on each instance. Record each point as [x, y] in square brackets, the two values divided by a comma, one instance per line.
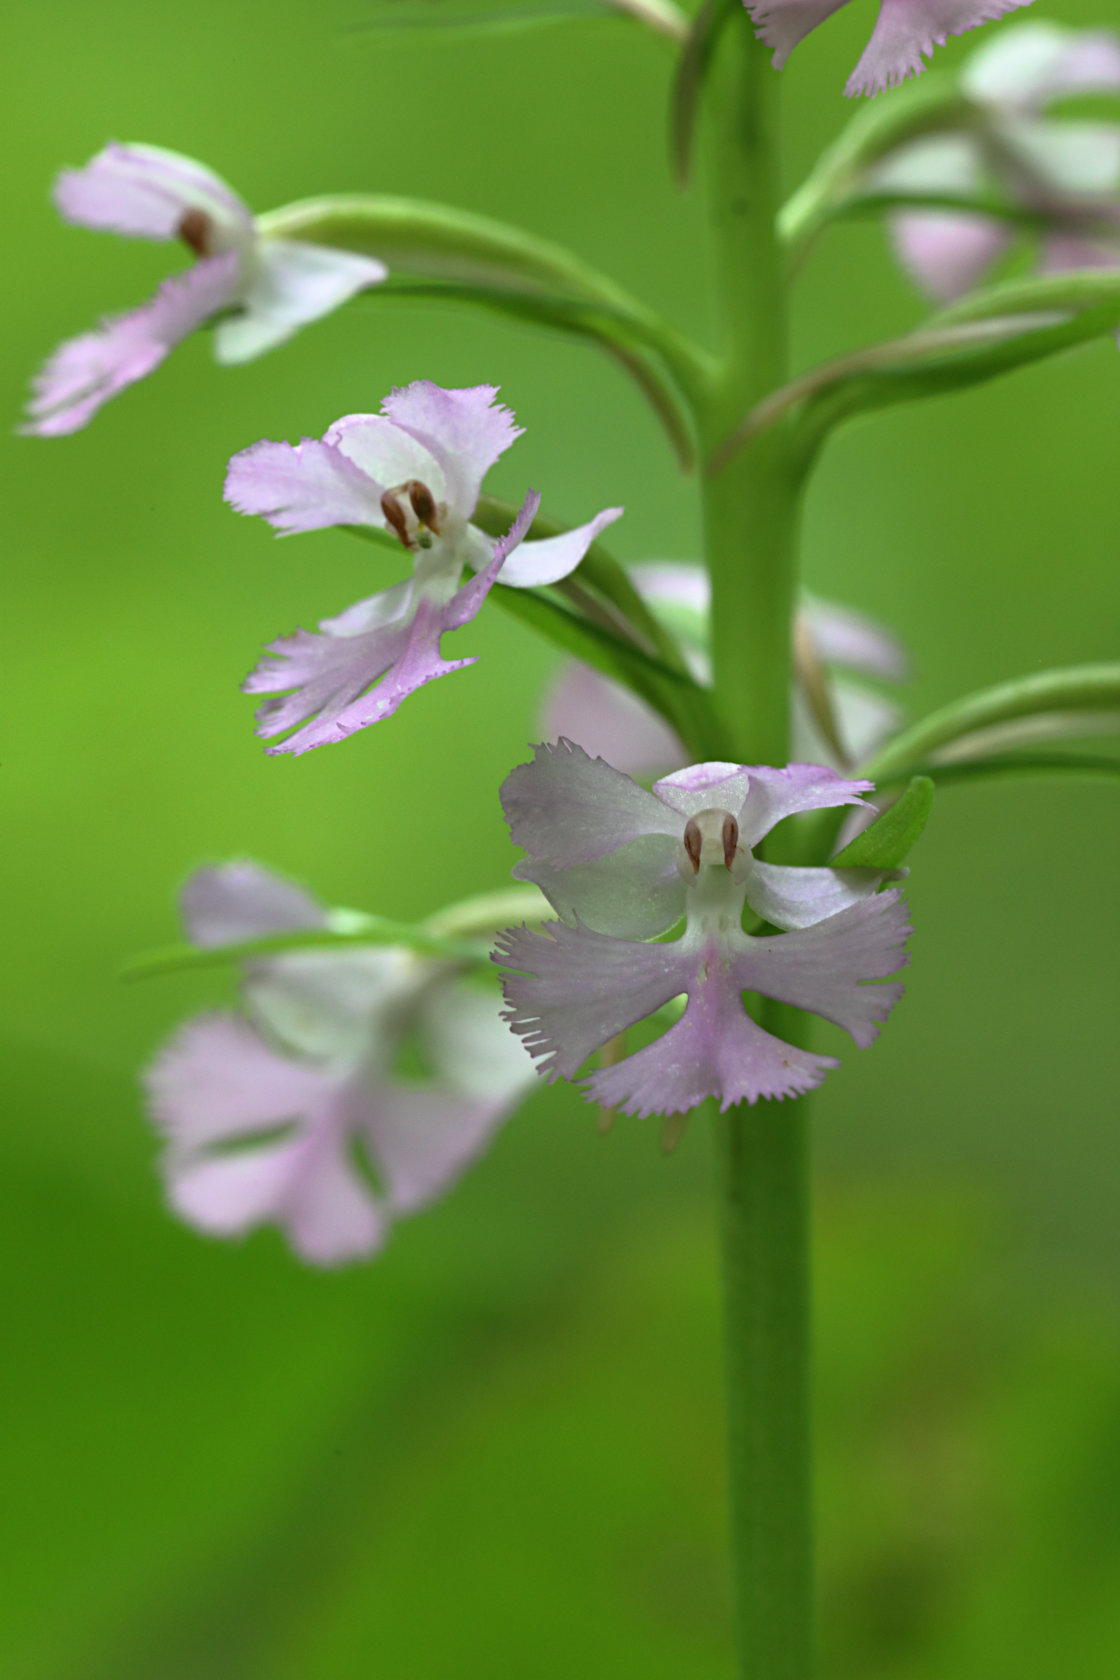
[750, 512]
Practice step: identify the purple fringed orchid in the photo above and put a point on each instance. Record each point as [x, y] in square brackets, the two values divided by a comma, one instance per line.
[905, 32]
[621, 866]
[414, 470]
[290, 1113]
[258, 290]
[1066, 172]
[610, 722]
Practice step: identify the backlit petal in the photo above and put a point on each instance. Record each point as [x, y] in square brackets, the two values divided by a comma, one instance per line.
[843, 636]
[822, 968]
[424, 1139]
[291, 284]
[228, 902]
[609, 721]
[218, 1079]
[783, 23]
[85, 372]
[907, 31]
[302, 487]
[386, 454]
[579, 989]
[549, 559]
[143, 191]
[775, 794]
[635, 892]
[793, 897]
[465, 429]
[947, 253]
[565, 807]
[1029, 65]
[714, 1050]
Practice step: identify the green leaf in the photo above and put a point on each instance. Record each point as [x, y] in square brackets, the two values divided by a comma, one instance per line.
[443, 16]
[885, 844]
[998, 765]
[674, 696]
[1090, 689]
[366, 930]
[620, 334]
[603, 633]
[930, 105]
[419, 240]
[996, 331]
[602, 572]
[692, 72]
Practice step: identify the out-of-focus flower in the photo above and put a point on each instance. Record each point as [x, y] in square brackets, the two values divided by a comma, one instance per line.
[610, 722]
[621, 866]
[258, 290]
[291, 1112]
[905, 33]
[415, 470]
[1064, 172]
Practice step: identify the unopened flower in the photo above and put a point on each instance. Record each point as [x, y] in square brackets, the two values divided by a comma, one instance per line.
[258, 290]
[415, 470]
[621, 866]
[291, 1112]
[1064, 172]
[905, 33]
[611, 722]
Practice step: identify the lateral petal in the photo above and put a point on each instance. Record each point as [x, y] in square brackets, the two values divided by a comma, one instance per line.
[86, 371]
[823, 968]
[580, 989]
[549, 559]
[302, 487]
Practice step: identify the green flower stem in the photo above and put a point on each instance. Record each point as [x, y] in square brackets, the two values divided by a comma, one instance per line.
[763, 1164]
[750, 503]
[750, 517]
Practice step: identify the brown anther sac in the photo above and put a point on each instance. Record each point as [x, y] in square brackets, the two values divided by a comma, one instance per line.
[194, 230]
[693, 844]
[394, 516]
[730, 840]
[423, 504]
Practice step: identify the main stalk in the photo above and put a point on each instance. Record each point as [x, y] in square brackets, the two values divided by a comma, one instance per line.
[750, 520]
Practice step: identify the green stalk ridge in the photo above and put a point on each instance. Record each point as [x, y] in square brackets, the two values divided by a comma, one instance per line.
[750, 506]
[751, 503]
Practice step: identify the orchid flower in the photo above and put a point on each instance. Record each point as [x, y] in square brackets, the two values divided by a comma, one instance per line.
[621, 866]
[415, 470]
[905, 32]
[610, 722]
[265, 1113]
[1064, 171]
[259, 290]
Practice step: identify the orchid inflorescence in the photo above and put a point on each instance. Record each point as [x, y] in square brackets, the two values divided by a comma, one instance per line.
[665, 944]
[311, 1058]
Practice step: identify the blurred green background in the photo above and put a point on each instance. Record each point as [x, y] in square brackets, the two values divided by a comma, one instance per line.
[498, 1449]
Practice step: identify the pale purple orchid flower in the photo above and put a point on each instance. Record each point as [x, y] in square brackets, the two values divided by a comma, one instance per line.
[291, 1113]
[257, 289]
[622, 865]
[414, 470]
[611, 722]
[905, 32]
[1065, 171]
